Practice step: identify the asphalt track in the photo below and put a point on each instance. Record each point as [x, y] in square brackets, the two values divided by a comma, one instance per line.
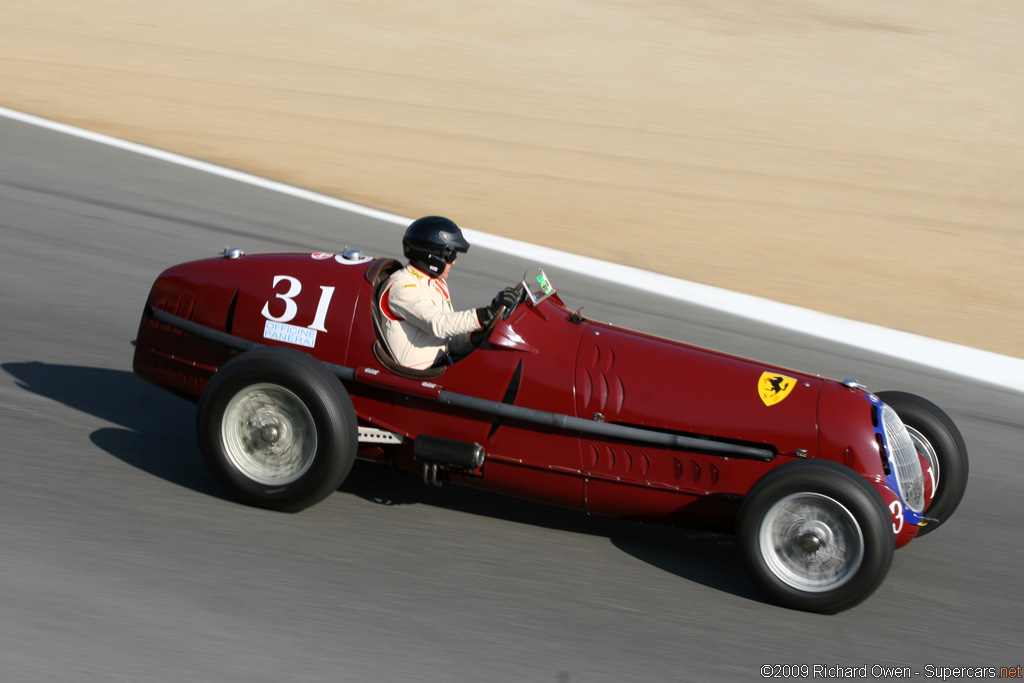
[121, 560]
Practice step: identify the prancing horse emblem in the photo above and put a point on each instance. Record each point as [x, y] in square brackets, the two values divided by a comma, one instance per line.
[773, 388]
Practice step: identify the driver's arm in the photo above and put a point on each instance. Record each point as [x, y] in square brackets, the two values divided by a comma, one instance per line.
[420, 308]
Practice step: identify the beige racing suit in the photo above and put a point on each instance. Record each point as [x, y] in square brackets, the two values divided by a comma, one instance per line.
[418, 322]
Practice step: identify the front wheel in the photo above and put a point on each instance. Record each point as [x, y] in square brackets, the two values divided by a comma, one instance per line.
[277, 429]
[815, 536]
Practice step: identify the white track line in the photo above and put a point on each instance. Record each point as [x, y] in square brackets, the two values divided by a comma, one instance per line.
[994, 368]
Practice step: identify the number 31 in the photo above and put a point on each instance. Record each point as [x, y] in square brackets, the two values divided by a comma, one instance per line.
[291, 309]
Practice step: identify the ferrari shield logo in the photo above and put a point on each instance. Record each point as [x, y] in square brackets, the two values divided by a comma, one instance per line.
[774, 388]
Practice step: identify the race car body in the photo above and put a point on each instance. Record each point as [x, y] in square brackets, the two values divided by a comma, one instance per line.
[820, 479]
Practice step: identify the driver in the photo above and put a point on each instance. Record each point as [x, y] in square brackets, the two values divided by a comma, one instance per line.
[419, 325]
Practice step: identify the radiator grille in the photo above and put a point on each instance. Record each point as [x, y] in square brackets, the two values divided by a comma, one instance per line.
[909, 476]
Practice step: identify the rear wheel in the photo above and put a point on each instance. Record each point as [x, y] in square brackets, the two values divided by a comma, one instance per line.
[277, 429]
[935, 437]
[815, 536]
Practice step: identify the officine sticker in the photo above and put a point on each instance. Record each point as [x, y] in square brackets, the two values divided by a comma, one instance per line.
[774, 388]
[290, 334]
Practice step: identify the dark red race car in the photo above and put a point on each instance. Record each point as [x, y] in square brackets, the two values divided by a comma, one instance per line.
[819, 479]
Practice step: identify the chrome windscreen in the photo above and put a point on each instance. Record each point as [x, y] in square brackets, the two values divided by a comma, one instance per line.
[904, 458]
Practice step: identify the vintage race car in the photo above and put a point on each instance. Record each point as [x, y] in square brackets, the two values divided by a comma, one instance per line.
[819, 479]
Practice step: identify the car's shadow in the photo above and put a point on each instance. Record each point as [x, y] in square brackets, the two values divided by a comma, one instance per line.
[710, 559]
[156, 434]
[154, 429]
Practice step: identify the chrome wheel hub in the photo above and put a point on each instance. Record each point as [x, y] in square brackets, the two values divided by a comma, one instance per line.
[811, 542]
[268, 434]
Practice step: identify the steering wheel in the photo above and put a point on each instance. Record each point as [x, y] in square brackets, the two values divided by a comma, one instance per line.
[501, 314]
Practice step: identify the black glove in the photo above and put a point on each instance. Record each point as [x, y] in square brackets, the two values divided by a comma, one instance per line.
[507, 297]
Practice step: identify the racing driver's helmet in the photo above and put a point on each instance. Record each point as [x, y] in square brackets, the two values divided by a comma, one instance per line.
[432, 242]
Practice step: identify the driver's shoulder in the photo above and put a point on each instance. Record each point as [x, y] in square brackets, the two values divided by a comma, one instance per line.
[406, 277]
[408, 285]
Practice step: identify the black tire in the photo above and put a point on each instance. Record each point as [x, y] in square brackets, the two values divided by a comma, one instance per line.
[277, 429]
[938, 439]
[815, 536]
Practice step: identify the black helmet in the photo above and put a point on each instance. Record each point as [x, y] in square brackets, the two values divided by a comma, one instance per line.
[432, 242]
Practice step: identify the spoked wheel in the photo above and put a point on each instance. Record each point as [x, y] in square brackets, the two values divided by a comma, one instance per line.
[938, 440]
[815, 536]
[811, 542]
[277, 429]
[268, 434]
